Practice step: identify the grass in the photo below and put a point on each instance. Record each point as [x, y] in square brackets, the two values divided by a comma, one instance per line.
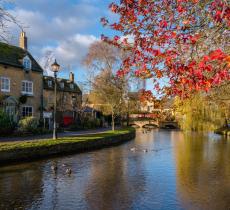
[9, 146]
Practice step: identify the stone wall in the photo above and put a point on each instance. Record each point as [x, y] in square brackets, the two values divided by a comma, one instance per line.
[27, 154]
[16, 76]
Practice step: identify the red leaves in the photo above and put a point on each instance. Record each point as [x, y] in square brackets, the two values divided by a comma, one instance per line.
[145, 95]
[163, 24]
[194, 38]
[181, 9]
[113, 7]
[170, 40]
[156, 52]
[217, 55]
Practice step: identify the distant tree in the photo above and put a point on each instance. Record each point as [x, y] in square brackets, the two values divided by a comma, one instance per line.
[108, 91]
[200, 113]
[107, 95]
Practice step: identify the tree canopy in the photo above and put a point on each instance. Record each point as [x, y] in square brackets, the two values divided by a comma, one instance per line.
[182, 44]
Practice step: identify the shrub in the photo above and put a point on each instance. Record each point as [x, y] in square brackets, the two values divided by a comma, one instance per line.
[6, 124]
[28, 124]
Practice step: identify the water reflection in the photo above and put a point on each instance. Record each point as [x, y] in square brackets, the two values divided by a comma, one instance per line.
[112, 180]
[203, 170]
[179, 171]
[20, 186]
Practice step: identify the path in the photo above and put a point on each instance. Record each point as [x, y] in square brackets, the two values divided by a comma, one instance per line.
[47, 136]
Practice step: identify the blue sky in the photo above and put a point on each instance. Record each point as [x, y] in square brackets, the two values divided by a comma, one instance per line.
[65, 27]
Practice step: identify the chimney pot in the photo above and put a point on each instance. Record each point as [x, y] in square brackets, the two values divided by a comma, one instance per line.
[23, 40]
[71, 77]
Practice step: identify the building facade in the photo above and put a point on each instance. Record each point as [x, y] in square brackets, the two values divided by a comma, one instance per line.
[21, 81]
[69, 100]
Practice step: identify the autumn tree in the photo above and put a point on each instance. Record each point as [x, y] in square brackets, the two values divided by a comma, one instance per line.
[185, 42]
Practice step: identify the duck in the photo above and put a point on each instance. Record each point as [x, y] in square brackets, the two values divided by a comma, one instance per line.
[68, 171]
[54, 168]
[145, 150]
[133, 149]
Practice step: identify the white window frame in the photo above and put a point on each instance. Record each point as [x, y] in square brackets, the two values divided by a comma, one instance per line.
[62, 85]
[25, 92]
[2, 87]
[26, 63]
[50, 83]
[71, 86]
[27, 114]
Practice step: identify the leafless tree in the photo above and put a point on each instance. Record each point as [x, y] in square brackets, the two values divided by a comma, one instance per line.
[108, 91]
[6, 19]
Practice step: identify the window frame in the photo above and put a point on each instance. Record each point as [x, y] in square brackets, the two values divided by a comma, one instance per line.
[62, 85]
[25, 92]
[50, 83]
[3, 88]
[71, 86]
[32, 111]
[27, 59]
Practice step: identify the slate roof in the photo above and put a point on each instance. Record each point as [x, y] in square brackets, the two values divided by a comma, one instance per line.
[66, 82]
[13, 56]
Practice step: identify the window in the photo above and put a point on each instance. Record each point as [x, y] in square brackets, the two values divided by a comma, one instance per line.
[50, 83]
[71, 86]
[5, 84]
[27, 111]
[27, 87]
[62, 85]
[26, 63]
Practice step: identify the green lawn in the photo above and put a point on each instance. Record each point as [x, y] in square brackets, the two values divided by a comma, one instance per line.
[7, 146]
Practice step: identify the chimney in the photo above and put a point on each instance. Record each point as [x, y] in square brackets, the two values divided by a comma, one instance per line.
[23, 40]
[71, 77]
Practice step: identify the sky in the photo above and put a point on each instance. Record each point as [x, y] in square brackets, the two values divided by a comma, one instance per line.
[64, 27]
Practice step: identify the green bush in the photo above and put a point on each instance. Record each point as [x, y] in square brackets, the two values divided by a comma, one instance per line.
[28, 124]
[86, 123]
[6, 124]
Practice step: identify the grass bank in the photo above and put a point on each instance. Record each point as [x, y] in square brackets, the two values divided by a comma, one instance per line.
[28, 150]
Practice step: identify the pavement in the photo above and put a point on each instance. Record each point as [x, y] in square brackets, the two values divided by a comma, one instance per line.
[47, 136]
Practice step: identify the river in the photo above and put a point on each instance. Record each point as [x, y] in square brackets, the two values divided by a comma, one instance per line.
[178, 171]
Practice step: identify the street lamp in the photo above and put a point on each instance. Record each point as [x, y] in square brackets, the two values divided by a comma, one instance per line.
[74, 100]
[55, 68]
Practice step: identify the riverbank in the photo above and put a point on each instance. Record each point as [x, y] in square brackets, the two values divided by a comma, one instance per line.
[35, 149]
[223, 131]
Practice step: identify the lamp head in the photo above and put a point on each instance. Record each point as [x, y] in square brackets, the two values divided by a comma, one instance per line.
[55, 66]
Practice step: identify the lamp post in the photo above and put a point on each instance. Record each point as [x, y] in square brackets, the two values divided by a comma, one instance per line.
[74, 99]
[55, 68]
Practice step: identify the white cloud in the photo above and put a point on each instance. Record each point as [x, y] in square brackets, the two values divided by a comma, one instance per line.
[70, 51]
[65, 27]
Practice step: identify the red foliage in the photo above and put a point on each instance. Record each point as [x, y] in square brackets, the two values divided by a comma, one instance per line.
[165, 36]
[145, 95]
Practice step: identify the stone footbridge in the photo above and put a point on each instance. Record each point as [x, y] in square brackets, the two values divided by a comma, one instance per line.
[154, 122]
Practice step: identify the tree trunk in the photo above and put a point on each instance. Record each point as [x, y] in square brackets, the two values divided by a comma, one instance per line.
[113, 124]
[127, 118]
[226, 119]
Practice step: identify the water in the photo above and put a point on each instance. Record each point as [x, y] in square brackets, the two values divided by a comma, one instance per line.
[179, 171]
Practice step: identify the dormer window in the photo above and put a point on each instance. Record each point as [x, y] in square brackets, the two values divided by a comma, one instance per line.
[62, 85]
[71, 86]
[26, 63]
[50, 83]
